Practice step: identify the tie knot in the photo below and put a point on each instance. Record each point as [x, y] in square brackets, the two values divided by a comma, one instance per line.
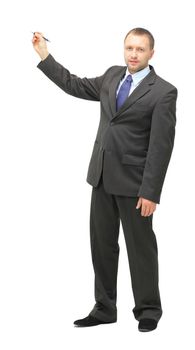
[129, 78]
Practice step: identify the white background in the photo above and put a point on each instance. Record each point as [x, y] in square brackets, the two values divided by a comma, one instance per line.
[46, 140]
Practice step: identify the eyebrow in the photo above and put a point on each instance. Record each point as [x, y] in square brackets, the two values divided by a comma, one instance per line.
[137, 47]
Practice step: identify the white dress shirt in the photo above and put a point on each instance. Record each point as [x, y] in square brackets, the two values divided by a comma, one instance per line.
[137, 78]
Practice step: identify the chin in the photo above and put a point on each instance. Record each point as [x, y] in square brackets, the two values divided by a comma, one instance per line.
[133, 69]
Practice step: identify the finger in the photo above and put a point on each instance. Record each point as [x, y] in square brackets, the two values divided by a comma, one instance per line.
[139, 203]
[152, 209]
[38, 33]
[35, 38]
[143, 210]
[148, 211]
[148, 208]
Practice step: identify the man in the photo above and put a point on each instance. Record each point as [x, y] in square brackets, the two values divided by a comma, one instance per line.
[127, 169]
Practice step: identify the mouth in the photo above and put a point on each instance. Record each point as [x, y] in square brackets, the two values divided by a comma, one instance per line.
[133, 62]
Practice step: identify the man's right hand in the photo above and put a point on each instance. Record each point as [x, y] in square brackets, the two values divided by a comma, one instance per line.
[39, 45]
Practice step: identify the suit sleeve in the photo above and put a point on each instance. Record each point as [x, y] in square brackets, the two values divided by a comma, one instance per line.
[160, 148]
[84, 88]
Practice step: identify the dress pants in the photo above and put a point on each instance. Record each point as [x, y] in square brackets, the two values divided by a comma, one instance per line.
[105, 214]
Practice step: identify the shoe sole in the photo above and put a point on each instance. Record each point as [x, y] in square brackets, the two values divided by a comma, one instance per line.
[146, 330]
[92, 325]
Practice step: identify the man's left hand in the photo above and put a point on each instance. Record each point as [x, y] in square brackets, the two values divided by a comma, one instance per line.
[147, 206]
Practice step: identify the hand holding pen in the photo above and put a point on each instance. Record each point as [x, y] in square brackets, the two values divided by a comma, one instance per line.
[39, 44]
[42, 36]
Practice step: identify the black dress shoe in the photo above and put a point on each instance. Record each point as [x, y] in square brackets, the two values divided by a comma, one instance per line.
[89, 321]
[147, 325]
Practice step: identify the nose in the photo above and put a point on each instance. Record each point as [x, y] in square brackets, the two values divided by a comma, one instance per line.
[134, 53]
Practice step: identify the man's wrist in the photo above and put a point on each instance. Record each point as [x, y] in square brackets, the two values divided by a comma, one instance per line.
[44, 55]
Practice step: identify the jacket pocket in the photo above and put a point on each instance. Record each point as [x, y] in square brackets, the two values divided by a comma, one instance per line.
[131, 159]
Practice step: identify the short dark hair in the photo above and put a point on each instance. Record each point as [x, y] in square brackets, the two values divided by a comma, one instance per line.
[142, 31]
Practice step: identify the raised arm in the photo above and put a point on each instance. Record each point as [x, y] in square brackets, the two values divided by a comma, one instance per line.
[84, 88]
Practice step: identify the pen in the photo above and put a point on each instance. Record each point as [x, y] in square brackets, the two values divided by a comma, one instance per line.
[43, 37]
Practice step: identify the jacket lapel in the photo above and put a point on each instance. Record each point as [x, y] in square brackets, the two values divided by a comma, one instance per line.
[143, 88]
[113, 88]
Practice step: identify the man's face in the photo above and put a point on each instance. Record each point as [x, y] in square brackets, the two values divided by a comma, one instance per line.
[137, 52]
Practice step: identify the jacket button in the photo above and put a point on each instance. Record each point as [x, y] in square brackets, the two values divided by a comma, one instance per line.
[111, 123]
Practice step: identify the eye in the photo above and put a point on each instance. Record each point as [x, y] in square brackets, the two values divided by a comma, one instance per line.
[141, 49]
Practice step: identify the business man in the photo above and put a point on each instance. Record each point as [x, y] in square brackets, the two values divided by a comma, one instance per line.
[127, 169]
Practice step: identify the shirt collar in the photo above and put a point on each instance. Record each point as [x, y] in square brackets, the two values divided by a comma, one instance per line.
[138, 76]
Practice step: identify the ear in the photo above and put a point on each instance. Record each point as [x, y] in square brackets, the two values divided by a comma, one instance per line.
[152, 53]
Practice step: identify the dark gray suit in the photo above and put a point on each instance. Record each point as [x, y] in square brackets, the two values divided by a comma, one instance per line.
[130, 157]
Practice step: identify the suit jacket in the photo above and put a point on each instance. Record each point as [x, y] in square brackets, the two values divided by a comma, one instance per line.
[133, 146]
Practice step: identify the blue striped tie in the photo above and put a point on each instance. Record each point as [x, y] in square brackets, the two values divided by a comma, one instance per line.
[123, 92]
